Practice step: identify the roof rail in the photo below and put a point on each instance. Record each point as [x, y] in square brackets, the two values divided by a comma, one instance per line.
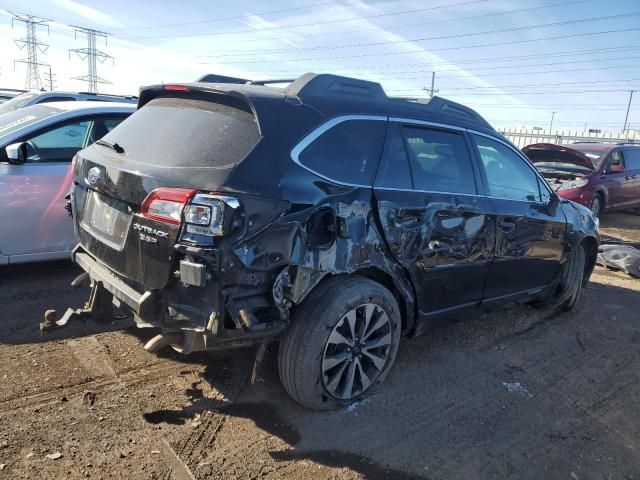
[268, 82]
[214, 78]
[322, 85]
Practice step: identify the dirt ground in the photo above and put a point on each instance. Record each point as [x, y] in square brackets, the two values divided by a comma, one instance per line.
[525, 394]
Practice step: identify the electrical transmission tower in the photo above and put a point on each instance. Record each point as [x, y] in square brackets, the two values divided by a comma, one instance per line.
[92, 55]
[33, 47]
[50, 79]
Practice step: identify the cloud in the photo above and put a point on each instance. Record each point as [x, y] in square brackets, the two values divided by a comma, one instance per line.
[89, 13]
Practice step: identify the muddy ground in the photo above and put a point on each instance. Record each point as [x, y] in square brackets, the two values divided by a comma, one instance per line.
[524, 394]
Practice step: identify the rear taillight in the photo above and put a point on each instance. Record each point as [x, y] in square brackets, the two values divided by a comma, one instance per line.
[210, 215]
[166, 204]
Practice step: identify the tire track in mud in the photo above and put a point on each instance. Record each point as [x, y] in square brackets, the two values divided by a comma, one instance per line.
[226, 381]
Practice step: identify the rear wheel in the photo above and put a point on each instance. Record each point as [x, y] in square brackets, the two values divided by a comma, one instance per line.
[342, 342]
[596, 205]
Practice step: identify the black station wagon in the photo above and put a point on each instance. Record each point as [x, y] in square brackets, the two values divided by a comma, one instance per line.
[326, 216]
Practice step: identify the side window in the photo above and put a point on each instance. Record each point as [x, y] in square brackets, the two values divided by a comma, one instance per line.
[439, 160]
[616, 160]
[508, 175]
[101, 126]
[632, 158]
[394, 169]
[348, 152]
[58, 144]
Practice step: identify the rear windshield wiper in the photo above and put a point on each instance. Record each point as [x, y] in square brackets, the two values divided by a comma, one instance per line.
[113, 146]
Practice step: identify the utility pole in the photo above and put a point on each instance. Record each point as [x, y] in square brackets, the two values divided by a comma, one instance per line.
[626, 118]
[92, 55]
[50, 79]
[553, 114]
[432, 91]
[33, 47]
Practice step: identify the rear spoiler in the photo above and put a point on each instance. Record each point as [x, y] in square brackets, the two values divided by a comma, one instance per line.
[264, 107]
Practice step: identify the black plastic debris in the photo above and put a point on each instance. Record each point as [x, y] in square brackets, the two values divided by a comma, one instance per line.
[620, 257]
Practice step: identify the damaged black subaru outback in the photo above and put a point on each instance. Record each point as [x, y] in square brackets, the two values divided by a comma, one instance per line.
[325, 215]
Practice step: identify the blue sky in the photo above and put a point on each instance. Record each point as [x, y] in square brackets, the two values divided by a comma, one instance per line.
[487, 54]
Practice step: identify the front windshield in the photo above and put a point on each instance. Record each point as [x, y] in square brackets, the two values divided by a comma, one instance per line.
[17, 102]
[596, 156]
[13, 121]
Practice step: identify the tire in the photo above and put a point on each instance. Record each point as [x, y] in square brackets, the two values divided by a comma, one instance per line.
[314, 343]
[596, 205]
[572, 280]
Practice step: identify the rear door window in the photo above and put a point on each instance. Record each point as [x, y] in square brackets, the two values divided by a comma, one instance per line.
[632, 158]
[188, 133]
[347, 153]
[440, 160]
[394, 170]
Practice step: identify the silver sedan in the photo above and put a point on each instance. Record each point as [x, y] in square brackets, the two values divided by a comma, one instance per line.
[37, 145]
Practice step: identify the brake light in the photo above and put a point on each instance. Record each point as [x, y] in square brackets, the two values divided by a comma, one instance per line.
[176, 88]
[210, 215]
[166, 204]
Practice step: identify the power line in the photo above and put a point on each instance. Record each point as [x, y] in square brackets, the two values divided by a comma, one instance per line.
[407, 25]
[492, 68]
[424, 39]
[536, 85]
[237, 17]
[92, 55]
[33, 47]
[511, 67]
[442, 49]
[465, 61]
[325, 22]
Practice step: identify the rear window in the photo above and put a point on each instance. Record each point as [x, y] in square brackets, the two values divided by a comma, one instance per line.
[178, 132]
[347, 153]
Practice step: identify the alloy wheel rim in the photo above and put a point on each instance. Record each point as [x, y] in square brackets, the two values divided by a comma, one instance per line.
[595, 206]
[356, 351]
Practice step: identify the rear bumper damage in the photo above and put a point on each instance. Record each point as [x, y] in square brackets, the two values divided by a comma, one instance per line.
[184, 326]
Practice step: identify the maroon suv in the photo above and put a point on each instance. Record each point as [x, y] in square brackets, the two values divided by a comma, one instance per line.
[600, 176]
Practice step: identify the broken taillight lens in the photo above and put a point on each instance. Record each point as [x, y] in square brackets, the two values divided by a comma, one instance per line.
[166, 204]
[210, 214]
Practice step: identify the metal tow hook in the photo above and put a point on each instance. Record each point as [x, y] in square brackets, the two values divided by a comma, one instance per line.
[98, 308]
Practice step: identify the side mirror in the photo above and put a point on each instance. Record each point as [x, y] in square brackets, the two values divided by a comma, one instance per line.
[16, 153]
[616, 168]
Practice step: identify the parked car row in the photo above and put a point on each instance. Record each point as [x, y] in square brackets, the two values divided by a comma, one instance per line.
[324, 215]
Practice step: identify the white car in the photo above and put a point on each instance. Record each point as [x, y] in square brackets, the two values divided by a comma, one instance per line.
[37, 145]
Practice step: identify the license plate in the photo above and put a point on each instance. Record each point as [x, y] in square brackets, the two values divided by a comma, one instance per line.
[103, 220]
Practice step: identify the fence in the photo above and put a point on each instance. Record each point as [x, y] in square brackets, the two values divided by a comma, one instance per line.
[521, 138]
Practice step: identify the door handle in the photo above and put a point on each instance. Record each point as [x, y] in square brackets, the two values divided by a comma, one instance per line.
[507, 226]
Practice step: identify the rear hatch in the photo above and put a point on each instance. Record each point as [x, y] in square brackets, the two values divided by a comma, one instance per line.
[184, 139]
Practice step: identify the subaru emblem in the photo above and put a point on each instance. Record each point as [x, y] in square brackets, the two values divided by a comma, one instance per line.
[94, 175]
